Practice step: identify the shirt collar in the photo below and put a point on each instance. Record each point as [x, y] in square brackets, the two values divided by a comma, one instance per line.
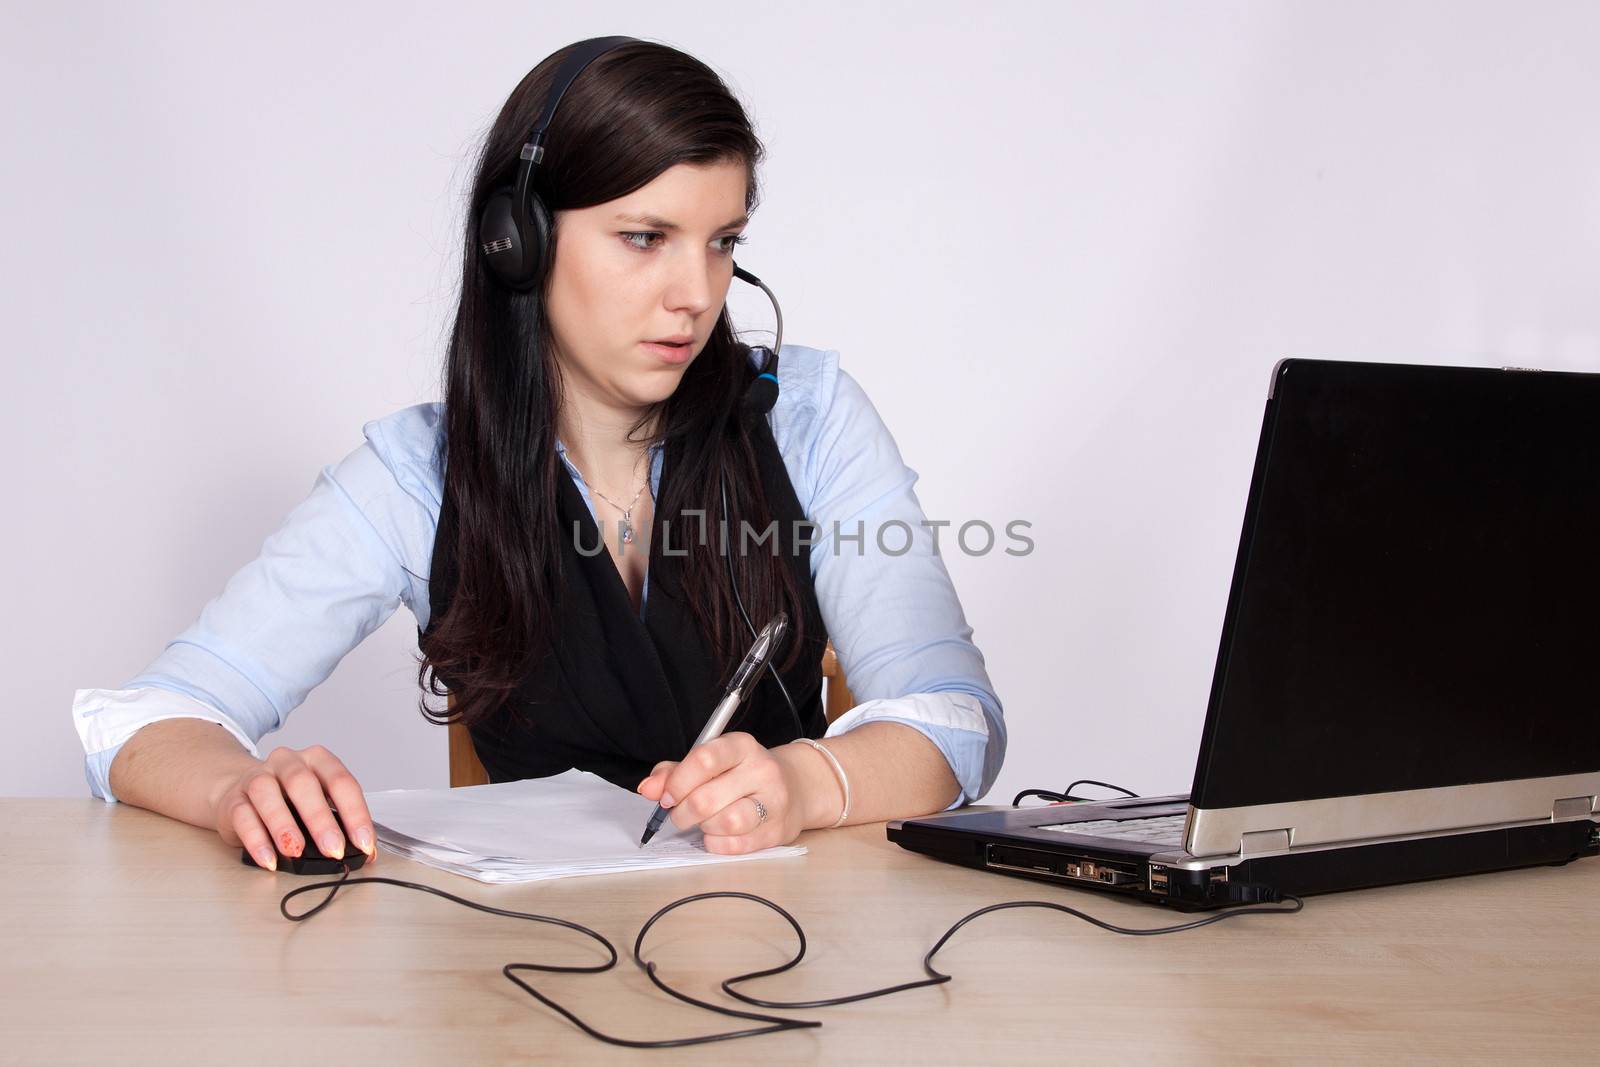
[561, 450]
[561, 447]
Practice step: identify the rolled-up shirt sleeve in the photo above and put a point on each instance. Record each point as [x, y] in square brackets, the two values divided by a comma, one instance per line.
[326, 578]
[891, 609]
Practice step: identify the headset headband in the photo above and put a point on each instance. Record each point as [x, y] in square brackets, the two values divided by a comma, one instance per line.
[583, 53]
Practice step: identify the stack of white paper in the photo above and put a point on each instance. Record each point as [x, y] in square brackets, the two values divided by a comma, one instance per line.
[569, 824]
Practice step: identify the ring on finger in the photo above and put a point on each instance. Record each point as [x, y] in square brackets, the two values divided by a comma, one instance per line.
[761, 811]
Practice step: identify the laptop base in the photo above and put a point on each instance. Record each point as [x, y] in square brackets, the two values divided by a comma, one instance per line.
[1142, 877]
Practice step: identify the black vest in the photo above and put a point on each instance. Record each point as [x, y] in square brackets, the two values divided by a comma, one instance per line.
[621, 694]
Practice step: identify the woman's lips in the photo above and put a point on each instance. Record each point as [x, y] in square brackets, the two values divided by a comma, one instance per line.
[669, 353]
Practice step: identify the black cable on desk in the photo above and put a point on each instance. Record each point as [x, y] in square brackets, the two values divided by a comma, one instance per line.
[775, 1023]
[1066, 794]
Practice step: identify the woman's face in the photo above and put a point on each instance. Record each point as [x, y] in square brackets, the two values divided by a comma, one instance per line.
[650, 265]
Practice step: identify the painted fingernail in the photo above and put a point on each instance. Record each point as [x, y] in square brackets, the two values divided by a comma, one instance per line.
[332, 847]
[265, 858]
[364, 839]
[666, 800]
[287, 844]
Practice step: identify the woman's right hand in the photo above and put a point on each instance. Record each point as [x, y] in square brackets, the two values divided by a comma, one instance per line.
[252, 810]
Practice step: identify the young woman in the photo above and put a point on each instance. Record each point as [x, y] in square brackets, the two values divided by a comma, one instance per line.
[593, 395]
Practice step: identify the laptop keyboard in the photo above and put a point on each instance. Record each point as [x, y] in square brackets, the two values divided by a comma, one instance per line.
[1160, 830]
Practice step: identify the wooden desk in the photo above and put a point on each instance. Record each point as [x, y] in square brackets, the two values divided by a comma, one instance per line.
[130, 938]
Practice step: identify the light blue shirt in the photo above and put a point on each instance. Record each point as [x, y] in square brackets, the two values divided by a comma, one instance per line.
[361, 544]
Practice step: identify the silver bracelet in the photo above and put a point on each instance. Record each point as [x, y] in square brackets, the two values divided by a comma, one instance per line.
[844, 783]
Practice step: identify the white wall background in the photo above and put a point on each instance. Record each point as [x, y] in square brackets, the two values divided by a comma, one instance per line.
[1060, 245]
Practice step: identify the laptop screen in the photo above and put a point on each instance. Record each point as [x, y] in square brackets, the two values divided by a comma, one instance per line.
[1416, 601]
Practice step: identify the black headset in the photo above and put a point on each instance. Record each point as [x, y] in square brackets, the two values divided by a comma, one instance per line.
[514, 236]
[514, 228]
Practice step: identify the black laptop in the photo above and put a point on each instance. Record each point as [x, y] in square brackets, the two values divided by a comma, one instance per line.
[1408, 684]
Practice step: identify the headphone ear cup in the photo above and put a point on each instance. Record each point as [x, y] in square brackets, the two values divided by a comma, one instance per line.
[539, 235]
[514, 257]
[499, 240]
[761, 395]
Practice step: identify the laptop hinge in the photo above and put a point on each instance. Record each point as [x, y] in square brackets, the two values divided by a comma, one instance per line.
[1571, 808]
[1264, 841]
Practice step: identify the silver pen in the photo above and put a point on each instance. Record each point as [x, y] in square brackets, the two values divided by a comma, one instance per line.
[744, 680]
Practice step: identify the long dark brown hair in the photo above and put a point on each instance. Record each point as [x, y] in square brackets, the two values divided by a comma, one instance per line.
[633, 113]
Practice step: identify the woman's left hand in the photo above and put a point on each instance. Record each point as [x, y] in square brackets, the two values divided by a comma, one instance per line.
[716, 787]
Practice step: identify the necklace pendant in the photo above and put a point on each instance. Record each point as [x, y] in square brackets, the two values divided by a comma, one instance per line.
[627, 531]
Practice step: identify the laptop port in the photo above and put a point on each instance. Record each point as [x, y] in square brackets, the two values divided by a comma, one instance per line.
[1108, 874]
[1066, 868]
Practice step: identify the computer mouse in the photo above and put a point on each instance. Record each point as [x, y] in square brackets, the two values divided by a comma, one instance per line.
[311, 860]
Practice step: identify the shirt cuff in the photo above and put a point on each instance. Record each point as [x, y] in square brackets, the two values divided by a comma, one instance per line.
[954, 722]
[106, 718]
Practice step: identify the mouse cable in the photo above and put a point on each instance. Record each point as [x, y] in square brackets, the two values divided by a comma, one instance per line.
[1066, 794]
[1258, 894]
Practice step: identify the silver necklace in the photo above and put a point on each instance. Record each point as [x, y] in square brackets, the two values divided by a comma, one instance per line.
[626, 525]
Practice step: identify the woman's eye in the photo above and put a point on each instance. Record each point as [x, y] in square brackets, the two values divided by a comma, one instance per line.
[644, 241]
[629, 237]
